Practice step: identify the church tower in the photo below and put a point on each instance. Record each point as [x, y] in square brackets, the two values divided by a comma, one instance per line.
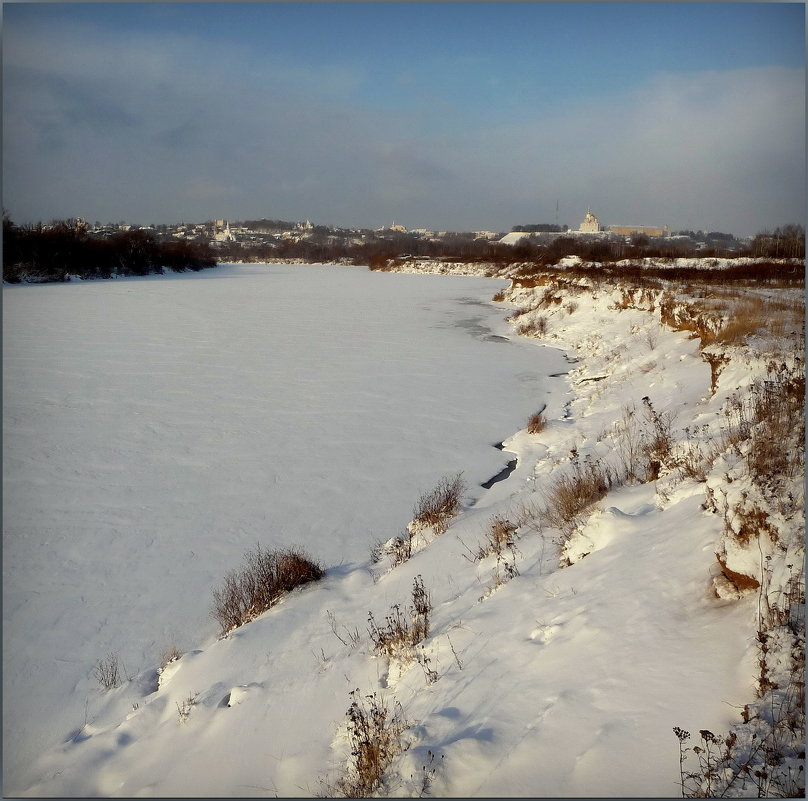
[591, 224]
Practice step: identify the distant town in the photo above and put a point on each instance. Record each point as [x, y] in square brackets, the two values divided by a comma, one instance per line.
[226, 235]
[61, 249]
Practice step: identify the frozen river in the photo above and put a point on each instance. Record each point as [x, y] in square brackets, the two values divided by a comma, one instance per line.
[156, 428]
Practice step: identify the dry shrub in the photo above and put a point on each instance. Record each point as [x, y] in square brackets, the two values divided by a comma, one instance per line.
[644, 445]
[571, 494]
[693, 458]
[535, 423]
[374, 734]
[531, 281]
[750, 315]
[168, 655]
[549, 297]
[400, 548]
[436, 508]
[108, 672]
[658, 443]
[499, 296]
[499, 537]
[779, 433]
[765, 755]
[533, 328]
[767, 427]
[260, 583]
[402, 629]
[630, 445]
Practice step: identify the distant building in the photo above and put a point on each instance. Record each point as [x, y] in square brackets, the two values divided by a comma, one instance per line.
[591, 224]
[221, 232]
[628, 230]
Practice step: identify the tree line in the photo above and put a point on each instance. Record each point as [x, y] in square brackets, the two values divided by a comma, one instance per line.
[64, 248]
[541, 248]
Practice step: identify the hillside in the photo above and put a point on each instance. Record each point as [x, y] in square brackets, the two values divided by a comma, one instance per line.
[640, 569]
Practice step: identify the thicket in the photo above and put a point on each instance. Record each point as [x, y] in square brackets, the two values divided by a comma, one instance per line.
[388, 249]
[260, 583]
[65, 248]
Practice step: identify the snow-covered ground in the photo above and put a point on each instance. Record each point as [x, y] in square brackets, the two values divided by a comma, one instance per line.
[155, 430]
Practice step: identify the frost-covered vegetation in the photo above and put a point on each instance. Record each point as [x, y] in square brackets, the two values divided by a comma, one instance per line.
[637, 577]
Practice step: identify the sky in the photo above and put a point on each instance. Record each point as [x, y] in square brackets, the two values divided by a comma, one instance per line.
[448, 116]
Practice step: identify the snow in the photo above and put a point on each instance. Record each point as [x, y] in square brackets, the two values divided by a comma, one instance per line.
[514, 237]
[155, 429]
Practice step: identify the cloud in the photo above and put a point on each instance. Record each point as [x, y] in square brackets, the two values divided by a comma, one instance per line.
[166, 127]
[682, 149]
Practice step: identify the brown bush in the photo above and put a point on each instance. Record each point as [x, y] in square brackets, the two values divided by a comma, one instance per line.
[436, 508]
[260, 583]
[571, 494]
[535, 423]
[374, 735]
[533, 328]
[402, 629]
[500, 536]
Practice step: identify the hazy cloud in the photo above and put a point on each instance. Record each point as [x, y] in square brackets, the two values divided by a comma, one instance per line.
[163, 128]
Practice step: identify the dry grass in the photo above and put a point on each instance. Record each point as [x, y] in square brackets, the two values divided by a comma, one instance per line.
[572, 493]
[732, 317]
[535, 423]
[169, 654]
[436, 508]
[399, 549]
[658, 442]
[260, 583]
[500, 536]
[749, 315]
[402, 630]
[374, 735]
[536, 327]
[767, 427]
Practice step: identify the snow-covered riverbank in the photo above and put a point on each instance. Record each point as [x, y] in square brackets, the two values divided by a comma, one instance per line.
[535, 679]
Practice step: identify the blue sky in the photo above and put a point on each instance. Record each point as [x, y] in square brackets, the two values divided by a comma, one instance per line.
[455, 116]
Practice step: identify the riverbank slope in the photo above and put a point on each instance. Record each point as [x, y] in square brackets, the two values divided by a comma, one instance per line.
[640, 569]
